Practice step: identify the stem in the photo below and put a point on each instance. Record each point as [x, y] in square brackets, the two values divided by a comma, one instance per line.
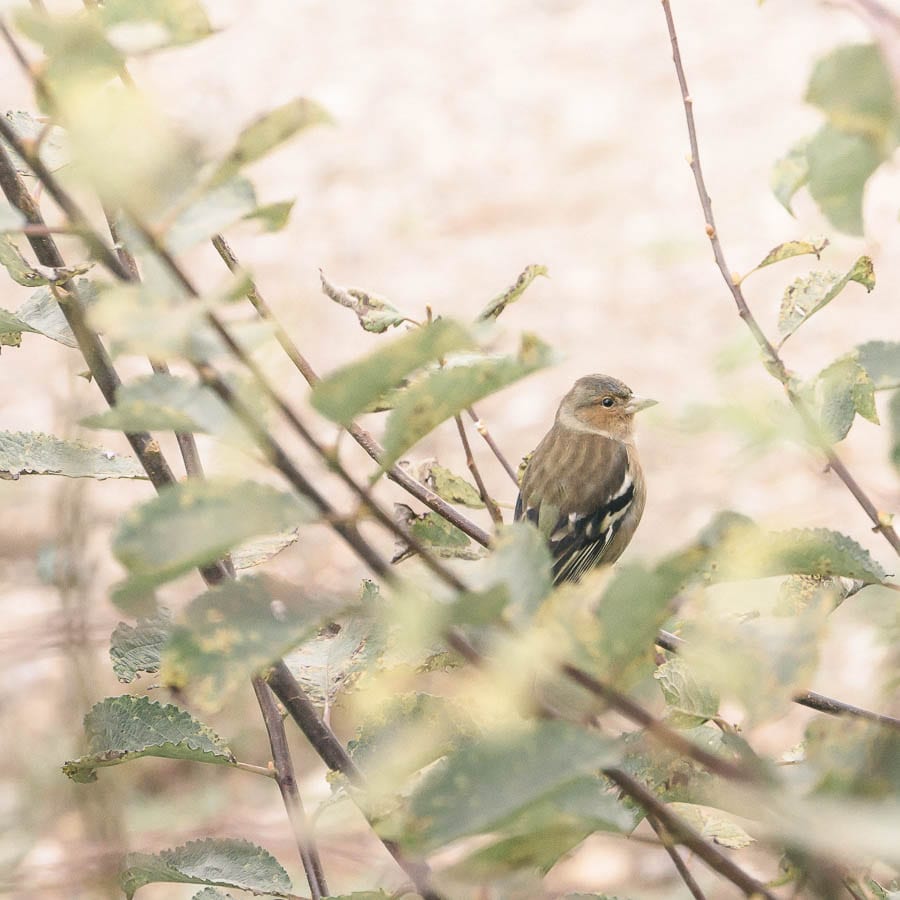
[287, 784]
[481, 428]
[486, 498]
[773, 362]
[684, 834]
[362, 437]
[669, 845]
[256, 770]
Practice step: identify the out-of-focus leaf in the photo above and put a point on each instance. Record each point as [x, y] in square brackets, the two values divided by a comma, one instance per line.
[839, 167]
[224, 862]
[232, 631]
[881, 360]
[853, 87]
[894, 419]
[260, 550]
[713, 825]
[222, 205]
[267, 132]
[790, 249]
[19, 269]
[123, 728]
[432, 531]
[194, 523]
[330, 662]
[444, 393]
[485, 782]
[350, 390]
[798, 593]
[689, 702]
[374, 313]
[40, 314]
[54, 147]
[136, 648]
[789, 174]
[838, 393]
[512, 293]
[804, 297]
[449, 486]
[34, 453]
[761, 663]
[272, 216]
[165, 22]
[163, 402]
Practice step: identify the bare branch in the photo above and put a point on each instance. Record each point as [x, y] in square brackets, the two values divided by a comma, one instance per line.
[666, 840]
[486, 498]
[482, 429]
[773, 362]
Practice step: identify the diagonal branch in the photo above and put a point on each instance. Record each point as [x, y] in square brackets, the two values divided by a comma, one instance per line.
[666, 840]
[486, 498]
[773, 362]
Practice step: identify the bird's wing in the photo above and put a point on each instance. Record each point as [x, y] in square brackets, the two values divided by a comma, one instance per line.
[590, 496]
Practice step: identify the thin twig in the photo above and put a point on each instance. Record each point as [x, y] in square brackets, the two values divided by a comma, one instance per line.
[331, 751]
[684, 834]
[810, 699]
[482, 429]
[773, 362]
[362, 437]
[667, 842]
[486, 498]
[287, 784]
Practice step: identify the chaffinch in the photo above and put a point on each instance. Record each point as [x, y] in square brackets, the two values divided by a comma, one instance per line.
[583, 486]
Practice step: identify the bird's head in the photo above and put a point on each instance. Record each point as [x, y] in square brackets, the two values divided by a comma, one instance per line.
[602, 405]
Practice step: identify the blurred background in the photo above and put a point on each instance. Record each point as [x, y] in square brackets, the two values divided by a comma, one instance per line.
[470, 140]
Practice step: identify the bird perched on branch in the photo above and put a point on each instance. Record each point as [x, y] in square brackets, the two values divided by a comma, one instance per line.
[583, 486]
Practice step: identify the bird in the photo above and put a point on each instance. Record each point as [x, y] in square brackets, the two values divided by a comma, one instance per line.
[583, 486]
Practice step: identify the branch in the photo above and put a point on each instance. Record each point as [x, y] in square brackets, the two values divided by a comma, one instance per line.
[287, 784]
[362, 437]
[684, 834]
[773, 362]
[667, 842]
[331, 751]
[481, 428]
[486, 498]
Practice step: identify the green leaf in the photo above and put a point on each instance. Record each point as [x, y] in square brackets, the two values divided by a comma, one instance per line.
[329, 664]
[839, 167]
[444, 393]
[790, 249]
[374, 313]
[268, 132]
[123, 728]
[195, 523]
[806, 296]
[19, 269]
[894, 419]
[224, 862]
[39, 314]
[166, 23]
[349, 391]
[789, 174]
[713, 825]
[272, 216]
[232, 631]
[798, 593]
[485, 782]
[881, 360]
[449, 486]
[34, 453]
[838, 393]
[211, 894]
[136, 648]
[853, 87]
[163, 402]
[433, 531]
[222, 205]
[512, 293]
[689, 702]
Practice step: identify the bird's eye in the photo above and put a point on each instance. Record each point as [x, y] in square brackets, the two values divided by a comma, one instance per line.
[607, 402]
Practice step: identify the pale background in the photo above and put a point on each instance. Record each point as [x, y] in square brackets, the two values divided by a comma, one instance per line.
[471, 139]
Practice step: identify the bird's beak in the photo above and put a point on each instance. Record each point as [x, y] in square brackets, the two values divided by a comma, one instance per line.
[636, 404]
